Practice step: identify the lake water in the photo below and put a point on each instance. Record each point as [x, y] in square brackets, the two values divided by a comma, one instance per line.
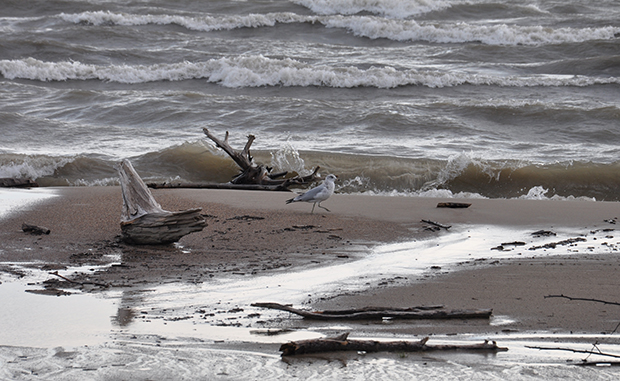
[493, 98]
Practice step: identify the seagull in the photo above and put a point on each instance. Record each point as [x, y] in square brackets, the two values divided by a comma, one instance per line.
[317, 194]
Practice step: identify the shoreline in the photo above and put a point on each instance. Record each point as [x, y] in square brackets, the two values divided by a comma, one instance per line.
[255, 233]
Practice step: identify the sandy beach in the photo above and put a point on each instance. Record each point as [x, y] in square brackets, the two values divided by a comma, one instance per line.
[252, 232]
[252, 235]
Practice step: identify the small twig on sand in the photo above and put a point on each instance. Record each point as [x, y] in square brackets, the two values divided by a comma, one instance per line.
[437, 224]
[80, 283]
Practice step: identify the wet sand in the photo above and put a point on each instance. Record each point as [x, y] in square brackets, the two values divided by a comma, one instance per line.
[254, 233]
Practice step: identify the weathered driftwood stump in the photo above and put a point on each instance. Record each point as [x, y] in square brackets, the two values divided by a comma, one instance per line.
[255, 174]
[143, 221]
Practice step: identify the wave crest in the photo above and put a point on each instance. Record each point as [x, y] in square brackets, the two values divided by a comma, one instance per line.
[389, 8]
[461, 176]
[373, 27]
[258, 71]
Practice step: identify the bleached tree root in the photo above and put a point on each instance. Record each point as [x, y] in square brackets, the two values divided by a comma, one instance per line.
[143, 221]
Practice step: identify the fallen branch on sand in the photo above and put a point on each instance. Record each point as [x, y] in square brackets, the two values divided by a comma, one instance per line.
[437, 224]
[374, 313]
[342, 343]
[582, 299]
[80, 283]
[589, 352]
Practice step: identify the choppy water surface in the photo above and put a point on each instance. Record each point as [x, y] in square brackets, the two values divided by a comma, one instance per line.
[491, 98]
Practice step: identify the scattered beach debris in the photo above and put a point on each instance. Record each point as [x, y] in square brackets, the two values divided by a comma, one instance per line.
[553, 245]
[543, 233]
[502, 247]
[343, 343]
[246, 218]
[143, 221]
[306, 227]
[437, 225]
[374, 313]
[272, 332]
[33, 229]
[50, 291]
[256, 174]
[8, 182]
[612, 220]
[453, 205]
[514, 243]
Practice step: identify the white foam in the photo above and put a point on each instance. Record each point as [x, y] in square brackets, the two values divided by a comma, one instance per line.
[390, 8]
[289, 159]
[203, 23]
[462, 32]
[372, 27]
[258, 70]
[31, 166]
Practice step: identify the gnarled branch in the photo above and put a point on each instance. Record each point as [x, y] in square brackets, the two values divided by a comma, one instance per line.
[256, 174]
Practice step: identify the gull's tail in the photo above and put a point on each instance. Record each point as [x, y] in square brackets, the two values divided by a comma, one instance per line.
[290, 200]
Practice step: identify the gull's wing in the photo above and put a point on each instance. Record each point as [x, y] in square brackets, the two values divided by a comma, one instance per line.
[319, 193]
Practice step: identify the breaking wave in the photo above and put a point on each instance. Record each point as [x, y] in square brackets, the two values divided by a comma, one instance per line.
[389, 8]
[258, 71]
[372, 27]
[460, 176]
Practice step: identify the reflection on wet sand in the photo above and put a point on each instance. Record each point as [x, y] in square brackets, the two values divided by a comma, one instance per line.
[209, 328]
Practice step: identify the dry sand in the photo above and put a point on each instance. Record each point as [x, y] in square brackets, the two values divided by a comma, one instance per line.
[255, 232]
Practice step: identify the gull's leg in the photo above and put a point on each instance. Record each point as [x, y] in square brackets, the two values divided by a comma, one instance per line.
[323, 207]
[313, 205]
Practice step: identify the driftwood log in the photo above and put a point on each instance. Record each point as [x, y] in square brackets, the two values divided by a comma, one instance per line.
[256, 174]
[374, 313]
[33, 229]
[343, 343]
[17, 183]
[228, 186]
[453, 205]
[143, 221]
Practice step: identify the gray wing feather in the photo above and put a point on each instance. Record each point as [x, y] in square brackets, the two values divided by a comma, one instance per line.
[313, 194]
